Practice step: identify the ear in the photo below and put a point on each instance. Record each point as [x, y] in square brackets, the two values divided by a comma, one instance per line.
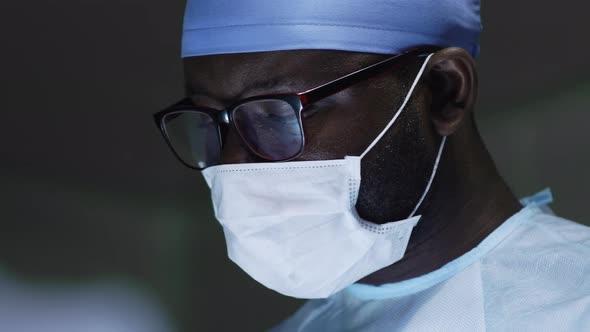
[452, 78]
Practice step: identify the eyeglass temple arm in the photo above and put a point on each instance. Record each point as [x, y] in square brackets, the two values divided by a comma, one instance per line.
[337, 85]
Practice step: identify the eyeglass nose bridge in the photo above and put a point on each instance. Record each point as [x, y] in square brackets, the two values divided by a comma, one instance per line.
[223, 117]
[225, 125]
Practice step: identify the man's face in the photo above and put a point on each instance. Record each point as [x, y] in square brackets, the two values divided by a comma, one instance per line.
[393, 173]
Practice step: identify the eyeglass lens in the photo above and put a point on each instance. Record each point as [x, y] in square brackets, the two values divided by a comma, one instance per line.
[270, 127]
[194, 137]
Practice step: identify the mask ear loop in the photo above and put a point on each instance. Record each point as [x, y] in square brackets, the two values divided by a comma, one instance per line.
[392, 121]
[408, 96]
[440, 149]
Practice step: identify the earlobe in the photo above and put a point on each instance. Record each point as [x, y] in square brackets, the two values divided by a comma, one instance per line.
[452, 79]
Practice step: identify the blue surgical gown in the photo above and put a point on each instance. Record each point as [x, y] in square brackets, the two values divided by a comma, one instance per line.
[530, 274]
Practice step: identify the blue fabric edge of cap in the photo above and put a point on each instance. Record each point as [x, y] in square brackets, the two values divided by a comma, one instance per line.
[299, 38]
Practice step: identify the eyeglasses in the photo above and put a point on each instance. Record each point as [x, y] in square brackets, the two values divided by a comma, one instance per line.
[270, 125]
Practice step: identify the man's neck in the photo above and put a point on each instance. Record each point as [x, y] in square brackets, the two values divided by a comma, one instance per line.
[464, 205]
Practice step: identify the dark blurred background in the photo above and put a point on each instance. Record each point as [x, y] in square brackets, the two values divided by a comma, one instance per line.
[91, 192]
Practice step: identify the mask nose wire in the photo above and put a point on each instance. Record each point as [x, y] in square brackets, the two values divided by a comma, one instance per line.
[408, 95]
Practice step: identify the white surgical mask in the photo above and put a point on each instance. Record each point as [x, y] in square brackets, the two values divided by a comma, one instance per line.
[294, 228]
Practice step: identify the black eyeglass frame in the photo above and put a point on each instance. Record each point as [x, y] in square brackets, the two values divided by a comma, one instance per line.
[298, 102]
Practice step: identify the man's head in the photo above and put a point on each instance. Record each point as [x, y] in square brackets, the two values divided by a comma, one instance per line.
[269, 82]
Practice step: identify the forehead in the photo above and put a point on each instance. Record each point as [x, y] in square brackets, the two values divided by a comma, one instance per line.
[233, 76]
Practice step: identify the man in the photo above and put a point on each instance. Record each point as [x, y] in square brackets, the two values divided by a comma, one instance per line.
[345, 166]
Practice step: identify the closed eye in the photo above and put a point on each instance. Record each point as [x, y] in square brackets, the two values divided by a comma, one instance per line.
[309, 111]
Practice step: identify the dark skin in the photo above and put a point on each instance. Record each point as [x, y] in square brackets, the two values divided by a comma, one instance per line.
[468, 198]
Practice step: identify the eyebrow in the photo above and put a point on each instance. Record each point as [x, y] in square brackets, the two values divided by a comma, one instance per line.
[268, 86]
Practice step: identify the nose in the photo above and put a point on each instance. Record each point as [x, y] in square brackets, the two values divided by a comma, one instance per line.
[235, 151]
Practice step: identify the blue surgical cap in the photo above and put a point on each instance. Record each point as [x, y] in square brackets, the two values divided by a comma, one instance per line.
[372, 26]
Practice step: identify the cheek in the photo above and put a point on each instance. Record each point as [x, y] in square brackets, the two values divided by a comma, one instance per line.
[344, 128]
[347, 123]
